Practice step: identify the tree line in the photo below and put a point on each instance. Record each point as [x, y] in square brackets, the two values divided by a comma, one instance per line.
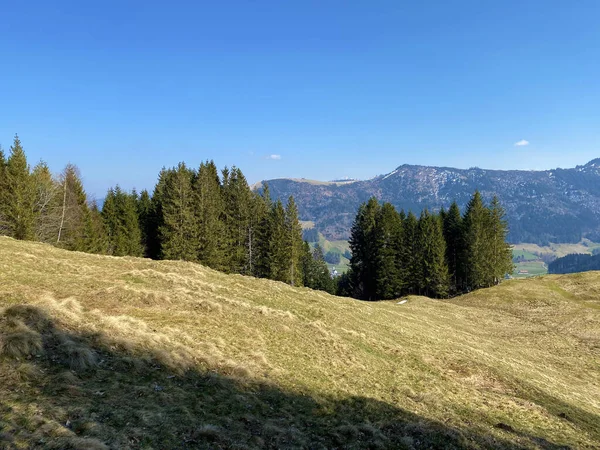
[575, 262]
[438, 255]
[197, 215]
[216, 219]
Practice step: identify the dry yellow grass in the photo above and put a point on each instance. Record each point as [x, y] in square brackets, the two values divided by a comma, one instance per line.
[103, 352]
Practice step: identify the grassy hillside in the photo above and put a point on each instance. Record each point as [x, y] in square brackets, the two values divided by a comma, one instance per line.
[101, 352]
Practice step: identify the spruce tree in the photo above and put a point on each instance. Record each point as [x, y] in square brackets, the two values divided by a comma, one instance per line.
[293, 243]
[177, 230]
[95, 237]
[155, 219]
[278, 243]
[476, 244]
[144, 212]
[453, 235]
[388, 241]
[432, 249]
[363, 264]
[18, 204]
[500, 250]
[261, 248]
[410, 254]
[237, 200]
[208, 210]
[130, 224]
[72, 210]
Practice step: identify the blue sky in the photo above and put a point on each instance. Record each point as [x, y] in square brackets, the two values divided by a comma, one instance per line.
[315, 89]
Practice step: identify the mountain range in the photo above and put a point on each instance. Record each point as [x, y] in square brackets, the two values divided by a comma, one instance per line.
[542, 206]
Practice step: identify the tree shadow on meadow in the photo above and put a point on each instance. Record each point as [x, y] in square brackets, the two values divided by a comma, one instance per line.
[62, 390]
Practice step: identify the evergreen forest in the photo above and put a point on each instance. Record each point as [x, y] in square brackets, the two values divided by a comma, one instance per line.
[437, 255]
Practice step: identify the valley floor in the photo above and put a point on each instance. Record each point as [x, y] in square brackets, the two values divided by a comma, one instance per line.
[102, 352]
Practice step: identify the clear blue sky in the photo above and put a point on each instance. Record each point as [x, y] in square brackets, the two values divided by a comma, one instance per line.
[335, 88]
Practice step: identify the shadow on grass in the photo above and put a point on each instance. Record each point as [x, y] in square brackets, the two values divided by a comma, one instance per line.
[63, 390]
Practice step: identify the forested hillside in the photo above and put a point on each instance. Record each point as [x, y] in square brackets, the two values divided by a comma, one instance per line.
[197, 215]
[575, 263]
[561, 205]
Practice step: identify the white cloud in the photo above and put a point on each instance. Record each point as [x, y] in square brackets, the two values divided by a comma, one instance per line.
[274, 157]
[521, 143]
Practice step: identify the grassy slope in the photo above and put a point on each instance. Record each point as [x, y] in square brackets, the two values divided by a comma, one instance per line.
[131, 353]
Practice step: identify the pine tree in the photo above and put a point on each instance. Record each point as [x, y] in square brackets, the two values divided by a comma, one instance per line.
[280, 256]
[237, 199]
[476, 245]
[315, 273]
[128, 213]
[72, 209]
[388, 241]
[363, 264]
[208, 211]
[144, 212]
[155, 220]
[261, 248]
[293, 243]
[17, 209]
[432, 249]
[95, 237]
[500, 250]
[410, 255]
[454, 237]
[178, 231]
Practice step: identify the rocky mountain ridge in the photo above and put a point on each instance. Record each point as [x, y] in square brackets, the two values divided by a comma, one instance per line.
[559, 205]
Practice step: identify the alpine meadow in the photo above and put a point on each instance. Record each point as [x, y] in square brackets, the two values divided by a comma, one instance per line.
[291, 225]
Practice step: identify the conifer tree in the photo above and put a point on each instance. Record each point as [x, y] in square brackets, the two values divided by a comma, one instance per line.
[280, 255]
[178, 231]
[72, 209]
[453, 235]
[131, 228]
[237, 199]
[315, 273]
[208, 210]
[363, 264]
[17, 208]
[120, 214]
[433, 279]
[293, 243]
[410, 254]
[144, 212]
[95, 237]
[388, 242]
[500, 251]
[155, 219]
[475, 222]
[264, 230]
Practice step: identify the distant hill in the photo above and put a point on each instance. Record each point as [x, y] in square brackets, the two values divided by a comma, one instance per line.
[561, 205]
[101, 352]
[576, 262]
